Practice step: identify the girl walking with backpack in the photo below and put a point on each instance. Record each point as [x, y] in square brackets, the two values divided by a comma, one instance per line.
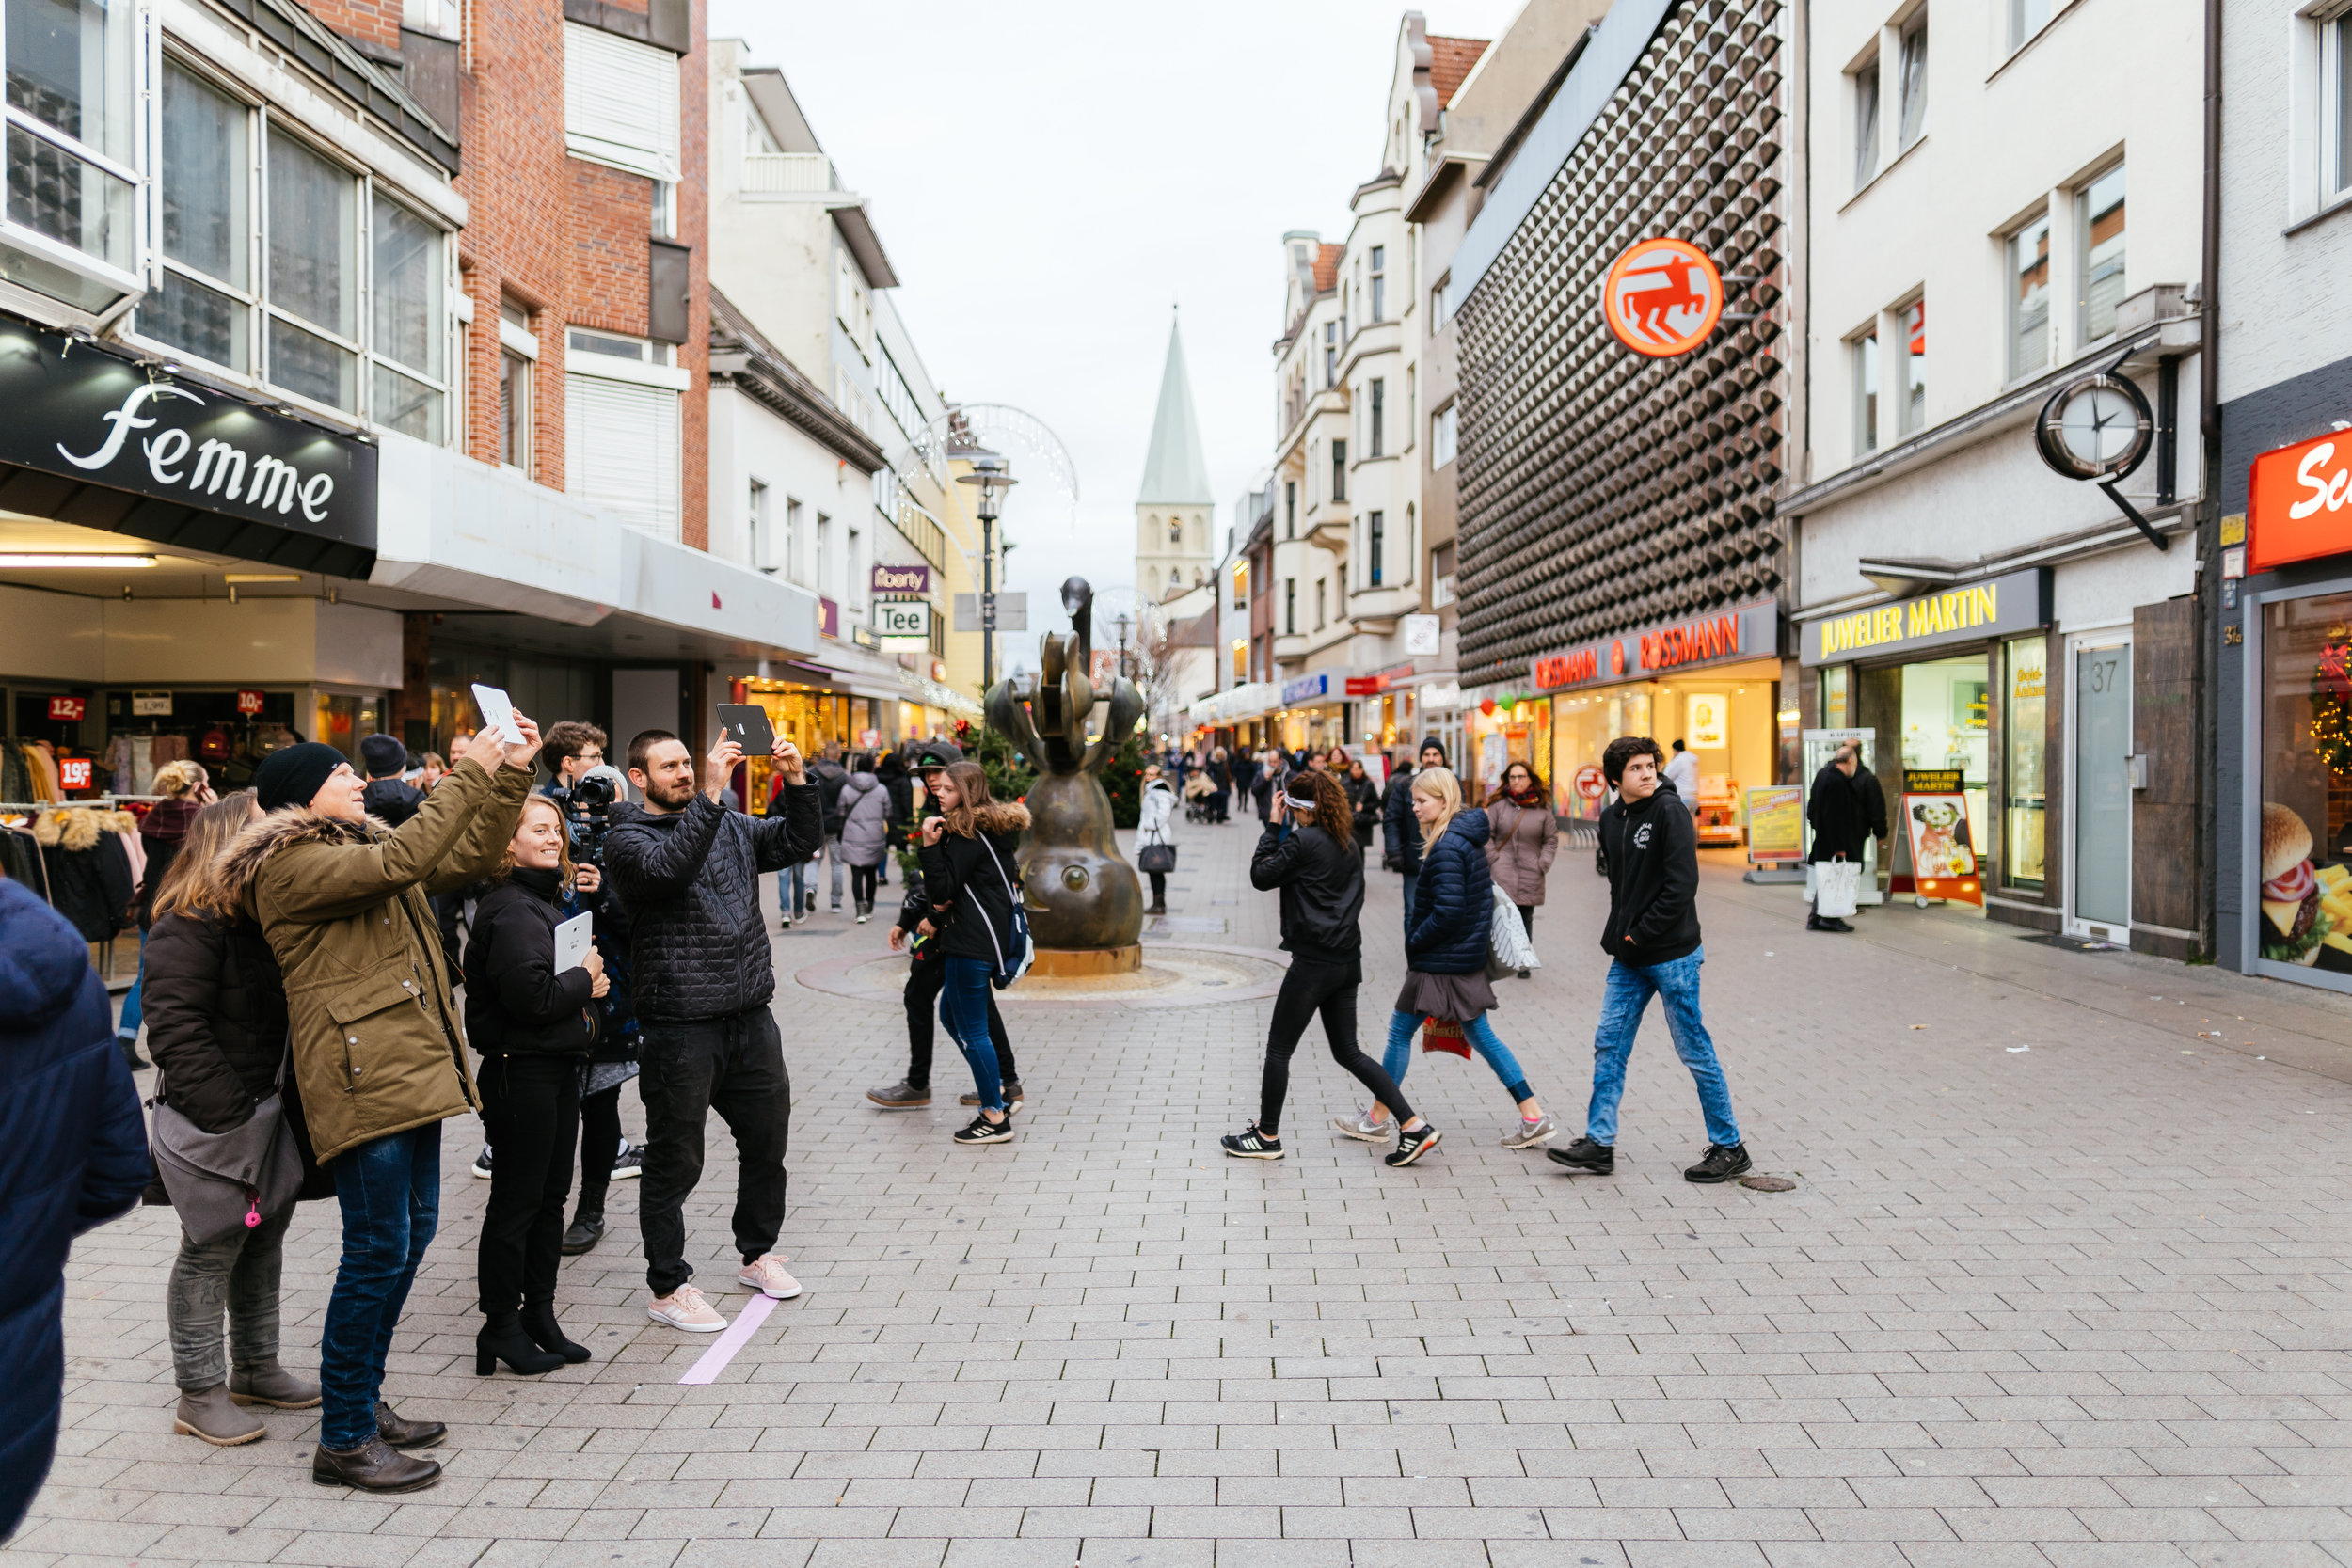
[1445, 955]
[1315, 863]
[968, 856]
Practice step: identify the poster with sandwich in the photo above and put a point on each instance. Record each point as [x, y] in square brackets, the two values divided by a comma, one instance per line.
[2306, 908]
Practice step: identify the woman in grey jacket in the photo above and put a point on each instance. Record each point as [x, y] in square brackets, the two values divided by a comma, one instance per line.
[865, 833]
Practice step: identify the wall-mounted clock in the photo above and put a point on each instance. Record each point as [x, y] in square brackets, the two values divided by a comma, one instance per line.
[2097, 427]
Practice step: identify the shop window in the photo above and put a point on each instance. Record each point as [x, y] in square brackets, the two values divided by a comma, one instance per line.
[2304, 852]
[1837, 697]
[1945, 728]
[2024, 745]
[2029, 298]
[2099, 250]
[71, 127]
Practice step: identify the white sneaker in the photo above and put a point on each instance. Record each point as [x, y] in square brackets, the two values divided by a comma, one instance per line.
[1526, 1134]
[1361, 1126]
[685, 1308]
[765, 1274]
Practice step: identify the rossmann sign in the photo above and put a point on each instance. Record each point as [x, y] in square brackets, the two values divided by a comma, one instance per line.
[1751, 631]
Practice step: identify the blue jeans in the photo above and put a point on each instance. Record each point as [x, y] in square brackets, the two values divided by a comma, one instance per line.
[128, 1028]
[390, 1193]
[964, 1008]
[1624, 998]
[1483, 1039]
[792, 890]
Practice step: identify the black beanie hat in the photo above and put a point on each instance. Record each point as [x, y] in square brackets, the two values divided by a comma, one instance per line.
[384, 754]
[1429, 740]
[293, 776]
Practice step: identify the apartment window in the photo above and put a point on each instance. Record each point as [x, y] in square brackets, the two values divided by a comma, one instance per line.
[899, 399]
[1330, 355]
[313, 284]
[824, 552]
[1914, 414]
[2099, 243]
[2029, 298]
[1914, 81]
[620, 102]
[1241, 585]
[1379, 283]
[2335, 56]
[1441, 436]
[73, 123]
[1240, 661]
[1322, 584]
[1437, 305]
[757, 544]
[1339, 471]
[409, 338]
[2025, 18]
[788, 545]
[513, 410]
[1290, 606]
[1865, 391]
[1866, 122]
[437, 17]
[1378, 444]
[204, 304]
[1375, 540]
[1290, 509]
[664, 215]
[854, 588]
[622, 437]
[1413, 407]
[853, 303]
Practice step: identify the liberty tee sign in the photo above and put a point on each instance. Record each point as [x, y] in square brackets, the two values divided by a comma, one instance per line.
[1663, 298]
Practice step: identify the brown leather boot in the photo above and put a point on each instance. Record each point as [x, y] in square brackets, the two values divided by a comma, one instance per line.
[372, 1466]
[401, 1433]
[208, 1414]
[267, 1383]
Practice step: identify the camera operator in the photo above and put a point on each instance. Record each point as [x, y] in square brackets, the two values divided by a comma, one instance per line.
[689, 871]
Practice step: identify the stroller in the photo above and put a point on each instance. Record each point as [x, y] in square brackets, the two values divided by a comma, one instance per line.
[1198, 807]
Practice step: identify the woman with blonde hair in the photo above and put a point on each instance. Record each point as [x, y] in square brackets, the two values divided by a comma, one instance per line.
[216, 1023]
[970, 877]
[534, 1025]
[1445, 955]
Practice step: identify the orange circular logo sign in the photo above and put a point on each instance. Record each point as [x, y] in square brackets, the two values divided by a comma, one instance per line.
[1663, 298]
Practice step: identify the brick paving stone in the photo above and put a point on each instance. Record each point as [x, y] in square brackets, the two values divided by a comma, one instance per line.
[2009, 1316]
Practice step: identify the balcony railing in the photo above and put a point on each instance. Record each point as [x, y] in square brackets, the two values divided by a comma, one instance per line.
[787, 173]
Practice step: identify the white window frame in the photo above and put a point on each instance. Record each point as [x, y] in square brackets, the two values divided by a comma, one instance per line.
[2012, 369]
[131, 281]
[1865, 357]
[1444, 435]
[2319, 175]
[1900, 319]
[593, 131]
[652, 368]
[1866, 140]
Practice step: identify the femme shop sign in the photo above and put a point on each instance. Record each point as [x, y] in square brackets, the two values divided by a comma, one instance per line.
[1968, 612]
[1748, 632]
[82, 413]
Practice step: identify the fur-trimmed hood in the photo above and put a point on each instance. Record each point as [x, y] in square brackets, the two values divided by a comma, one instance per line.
[76, 830]
[288, 825]
[1001, 817]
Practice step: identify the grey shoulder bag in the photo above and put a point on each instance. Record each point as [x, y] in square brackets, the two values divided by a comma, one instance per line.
[222, 1182]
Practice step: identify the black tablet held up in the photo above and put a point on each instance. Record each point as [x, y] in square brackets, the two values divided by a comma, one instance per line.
[747, 723]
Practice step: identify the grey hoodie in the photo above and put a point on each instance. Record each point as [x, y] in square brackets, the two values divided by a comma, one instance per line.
[864, 820]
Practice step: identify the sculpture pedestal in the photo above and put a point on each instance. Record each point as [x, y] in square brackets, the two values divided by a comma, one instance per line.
[1067, 963]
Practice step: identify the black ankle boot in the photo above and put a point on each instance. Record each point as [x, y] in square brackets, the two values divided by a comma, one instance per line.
[586, 1229]
[505, 1341]
[539, 1323]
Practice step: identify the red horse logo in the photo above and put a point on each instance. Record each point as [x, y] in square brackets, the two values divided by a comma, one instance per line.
[1663, 297]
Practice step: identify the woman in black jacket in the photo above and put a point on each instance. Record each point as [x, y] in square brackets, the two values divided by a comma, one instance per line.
[1445, 955]
[534, 1027]
[1363, 798]
[968, 874]
[1320, 871]
[216, 1023]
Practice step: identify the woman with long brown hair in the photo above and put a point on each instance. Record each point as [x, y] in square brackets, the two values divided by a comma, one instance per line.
[970, 877]
[217, 1024]
[1309, 852]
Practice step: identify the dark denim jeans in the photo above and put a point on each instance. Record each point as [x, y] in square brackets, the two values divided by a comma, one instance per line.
[390, 1194]
[1624, 998]
[733, 1065]
[964, 1008]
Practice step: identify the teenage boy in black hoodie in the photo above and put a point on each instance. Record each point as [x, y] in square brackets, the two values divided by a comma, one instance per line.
[1652, 940]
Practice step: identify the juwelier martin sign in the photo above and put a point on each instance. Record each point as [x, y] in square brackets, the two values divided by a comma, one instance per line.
[232, 479]
[1967, 612]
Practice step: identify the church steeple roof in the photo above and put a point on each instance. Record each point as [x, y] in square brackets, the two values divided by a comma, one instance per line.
[1174, 472]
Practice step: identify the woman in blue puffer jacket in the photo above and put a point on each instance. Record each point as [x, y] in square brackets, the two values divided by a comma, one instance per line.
[1445, 954]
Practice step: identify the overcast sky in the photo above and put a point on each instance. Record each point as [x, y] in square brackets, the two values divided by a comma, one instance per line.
[1048, 179]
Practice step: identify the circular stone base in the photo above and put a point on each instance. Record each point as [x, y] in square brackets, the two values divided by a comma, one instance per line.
[1166, 976]
[1072, 963]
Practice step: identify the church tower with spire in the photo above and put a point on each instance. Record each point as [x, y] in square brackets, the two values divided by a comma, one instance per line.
[1175, 510]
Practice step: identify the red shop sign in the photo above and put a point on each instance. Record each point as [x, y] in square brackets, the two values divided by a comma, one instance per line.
[249, 703]
[2298, 502]
[73, 772]
[69, 709]
[1589, 783]
[1663, 297]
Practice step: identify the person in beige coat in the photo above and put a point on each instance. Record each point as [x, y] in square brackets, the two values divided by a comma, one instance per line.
[1526, 839]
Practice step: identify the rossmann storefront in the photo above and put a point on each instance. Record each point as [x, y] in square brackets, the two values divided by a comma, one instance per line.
[1711, 682]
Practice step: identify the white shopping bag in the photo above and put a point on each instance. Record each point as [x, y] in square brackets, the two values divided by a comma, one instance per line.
[1837, 889]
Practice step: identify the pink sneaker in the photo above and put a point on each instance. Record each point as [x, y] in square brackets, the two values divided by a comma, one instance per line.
[765, 1274]
[685, 1308]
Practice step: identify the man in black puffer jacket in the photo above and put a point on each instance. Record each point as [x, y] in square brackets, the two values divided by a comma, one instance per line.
[689, 870]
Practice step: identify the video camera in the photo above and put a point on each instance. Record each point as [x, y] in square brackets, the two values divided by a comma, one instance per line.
[587, 808]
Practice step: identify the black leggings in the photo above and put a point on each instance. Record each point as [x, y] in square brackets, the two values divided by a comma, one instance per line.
[1330, 988]
[1159, 886]
[600, 1145]
[530, 1105]
[861, 879]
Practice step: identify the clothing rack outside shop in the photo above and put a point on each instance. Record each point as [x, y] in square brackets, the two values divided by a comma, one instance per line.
[104, 962]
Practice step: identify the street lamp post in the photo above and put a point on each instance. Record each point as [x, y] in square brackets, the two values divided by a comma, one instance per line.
[992, 476]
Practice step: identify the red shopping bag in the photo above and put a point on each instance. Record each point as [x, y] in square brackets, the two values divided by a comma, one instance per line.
[1442, 1034]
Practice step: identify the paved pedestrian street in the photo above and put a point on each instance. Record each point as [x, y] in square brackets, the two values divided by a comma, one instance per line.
[2060, 1282]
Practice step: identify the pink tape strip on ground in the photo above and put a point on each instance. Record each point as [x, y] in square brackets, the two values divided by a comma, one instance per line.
[739, 1334]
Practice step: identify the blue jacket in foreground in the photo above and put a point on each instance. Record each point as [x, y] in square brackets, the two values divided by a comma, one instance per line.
[1453, 902]
[73, 1155]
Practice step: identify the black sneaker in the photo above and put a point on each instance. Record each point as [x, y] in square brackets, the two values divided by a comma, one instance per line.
[1013, 1096]
[1585, 1155]
[983, 1131]
[901, 1096]
[630, 1163]
[481, 1164]
[1412, 1146]
[1720, 1163]
[1252, 1144]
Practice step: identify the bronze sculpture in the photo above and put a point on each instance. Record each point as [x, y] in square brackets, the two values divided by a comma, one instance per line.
[1083, 898]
